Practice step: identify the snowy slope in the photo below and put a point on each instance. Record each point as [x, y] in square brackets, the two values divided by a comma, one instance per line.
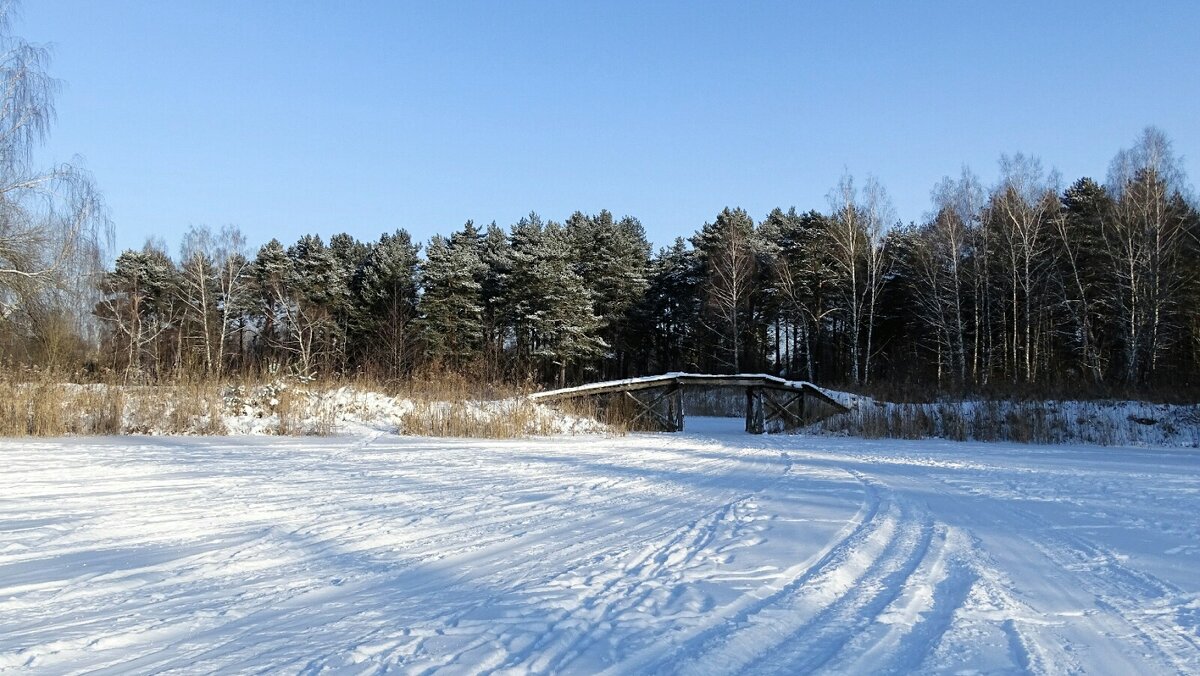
[707, 552]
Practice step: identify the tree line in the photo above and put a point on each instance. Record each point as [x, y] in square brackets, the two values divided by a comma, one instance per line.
[1023, 283]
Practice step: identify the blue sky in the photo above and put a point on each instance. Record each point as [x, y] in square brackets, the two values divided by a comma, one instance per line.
[293, 117]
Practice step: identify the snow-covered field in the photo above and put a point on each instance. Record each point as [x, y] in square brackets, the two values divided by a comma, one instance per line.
[707, 552]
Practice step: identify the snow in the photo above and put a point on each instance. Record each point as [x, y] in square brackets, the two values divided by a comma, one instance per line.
[296, 408]
[708, 552]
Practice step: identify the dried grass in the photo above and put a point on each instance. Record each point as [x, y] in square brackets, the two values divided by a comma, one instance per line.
[1036, 422]
[46, 409]
[451, 406]
[505, 419]
[454, 405]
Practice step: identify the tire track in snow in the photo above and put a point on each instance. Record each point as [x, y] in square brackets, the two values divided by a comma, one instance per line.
[1060, 636]
[1103, 595]
[855, 605]
[744, 620]
[907, 632]
[1100, 572]
[659, 565]
[500, 636]
[631, 578]
[423, 557]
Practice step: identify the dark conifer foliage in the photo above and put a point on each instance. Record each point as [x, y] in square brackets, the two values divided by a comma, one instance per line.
[451, 306]
[1025, 285]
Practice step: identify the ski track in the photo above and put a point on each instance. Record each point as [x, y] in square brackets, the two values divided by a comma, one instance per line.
[711, 552]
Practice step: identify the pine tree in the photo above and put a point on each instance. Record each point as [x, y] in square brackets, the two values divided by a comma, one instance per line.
[320, 294]
[670, 311]
[348, 255]
[272, 271]
[1083, 277]
[385, 300]
[800, 280]
[140, 300]
[613, 260]
[554, 317]
[452, 303]
[496, 255]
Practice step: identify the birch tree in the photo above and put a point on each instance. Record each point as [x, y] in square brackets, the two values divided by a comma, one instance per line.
[233, 268]
[858, 227]
[199, 293]
[1145, 239]
[53, 224]
[731, 265]
[942, 254]
[1022, 204]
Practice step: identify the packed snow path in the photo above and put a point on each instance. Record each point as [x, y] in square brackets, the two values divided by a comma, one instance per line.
[707, 552]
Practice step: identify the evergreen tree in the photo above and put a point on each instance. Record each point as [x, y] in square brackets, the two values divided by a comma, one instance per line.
[613, 260]
[670, 311]
[556, 325]
[140, 301]
[496, 255]
[1097, 284]
[452, 302]
[272, 271]
[320, 294]
[385, 300]
[348, 255]
[1083, 277]
[800, 280]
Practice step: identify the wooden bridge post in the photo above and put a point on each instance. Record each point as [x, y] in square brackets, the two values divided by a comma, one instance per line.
[754, 410]
[675, 407]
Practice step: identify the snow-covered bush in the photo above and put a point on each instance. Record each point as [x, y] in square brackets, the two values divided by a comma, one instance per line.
[1107, 423]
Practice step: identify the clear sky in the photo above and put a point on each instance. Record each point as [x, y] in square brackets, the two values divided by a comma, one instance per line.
[290, 117]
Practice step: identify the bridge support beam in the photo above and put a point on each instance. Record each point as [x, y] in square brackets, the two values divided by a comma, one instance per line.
[755, 421]
[675, 407]
[665, 409]
[786, 408]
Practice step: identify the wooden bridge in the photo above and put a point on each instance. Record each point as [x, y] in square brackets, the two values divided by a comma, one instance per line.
[772, 404]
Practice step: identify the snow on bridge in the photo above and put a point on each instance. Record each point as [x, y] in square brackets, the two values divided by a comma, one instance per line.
[772, 403]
